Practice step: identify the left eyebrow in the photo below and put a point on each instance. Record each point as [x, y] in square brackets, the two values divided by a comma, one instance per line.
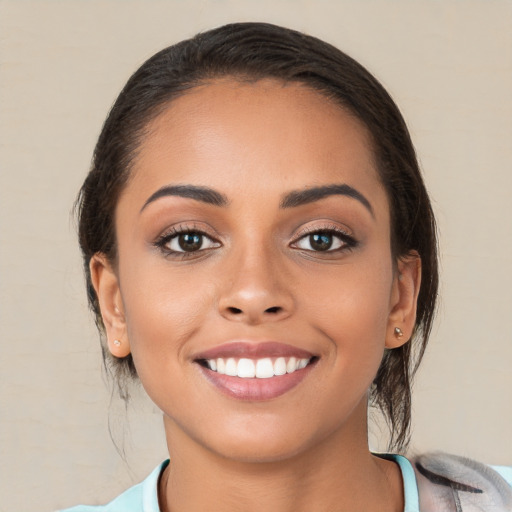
[202, 194]
[310, 195]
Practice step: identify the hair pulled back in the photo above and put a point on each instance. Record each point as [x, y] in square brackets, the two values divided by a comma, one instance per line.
[250, 51]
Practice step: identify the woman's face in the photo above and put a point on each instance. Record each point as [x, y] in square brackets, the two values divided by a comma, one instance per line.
[254, 238]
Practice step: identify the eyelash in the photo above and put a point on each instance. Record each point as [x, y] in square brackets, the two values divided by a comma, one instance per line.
[163, 241]
[166, 238]
[348, 241]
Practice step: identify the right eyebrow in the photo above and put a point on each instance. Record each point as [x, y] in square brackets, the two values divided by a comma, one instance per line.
[204, 194]
[310, 195]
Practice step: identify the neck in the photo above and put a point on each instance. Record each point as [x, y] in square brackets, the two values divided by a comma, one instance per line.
[339, 474]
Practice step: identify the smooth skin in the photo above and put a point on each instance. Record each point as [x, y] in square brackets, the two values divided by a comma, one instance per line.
[254, 271]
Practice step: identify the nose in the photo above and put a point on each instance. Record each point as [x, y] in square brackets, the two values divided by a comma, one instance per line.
[257, 289]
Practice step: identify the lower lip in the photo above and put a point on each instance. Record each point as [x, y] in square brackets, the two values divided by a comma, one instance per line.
[256, 389]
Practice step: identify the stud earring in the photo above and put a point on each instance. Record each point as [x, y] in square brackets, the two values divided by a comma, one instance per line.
[398, 332]
[117, 343]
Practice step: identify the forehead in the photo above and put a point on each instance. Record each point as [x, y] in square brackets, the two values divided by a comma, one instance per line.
[248, 136]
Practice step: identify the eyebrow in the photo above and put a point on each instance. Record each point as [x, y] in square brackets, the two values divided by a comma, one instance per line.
[290, 200]
[310, 195]
[203, 194]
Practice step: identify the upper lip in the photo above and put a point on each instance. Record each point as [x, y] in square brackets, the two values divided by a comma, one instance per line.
[250, 350]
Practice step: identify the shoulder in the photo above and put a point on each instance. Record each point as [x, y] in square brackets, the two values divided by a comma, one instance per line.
[129, 501]
[450, 482]
[142, 497]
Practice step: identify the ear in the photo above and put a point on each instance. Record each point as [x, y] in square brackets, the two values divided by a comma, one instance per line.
[404, 297]
[106, 285]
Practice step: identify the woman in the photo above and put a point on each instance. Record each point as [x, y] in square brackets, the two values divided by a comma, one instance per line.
[260, 251]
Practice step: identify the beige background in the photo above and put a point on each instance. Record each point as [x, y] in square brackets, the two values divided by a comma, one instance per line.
[449, 66]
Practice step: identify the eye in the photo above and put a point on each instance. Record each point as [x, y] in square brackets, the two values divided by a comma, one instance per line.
[324, 241]
[186, 242]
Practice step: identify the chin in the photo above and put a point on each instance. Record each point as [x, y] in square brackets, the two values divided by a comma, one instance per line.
[267, 440]
[262, 452]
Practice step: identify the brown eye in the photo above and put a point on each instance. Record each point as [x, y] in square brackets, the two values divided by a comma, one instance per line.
[320, 241]
[325, 241]
[188, 241]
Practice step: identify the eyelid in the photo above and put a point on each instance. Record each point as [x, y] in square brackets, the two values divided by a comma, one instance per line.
[172, 232]
[348, 239]
[327, 227]
[170, 244]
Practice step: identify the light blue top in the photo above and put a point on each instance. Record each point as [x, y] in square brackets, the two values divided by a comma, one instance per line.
[143, 497]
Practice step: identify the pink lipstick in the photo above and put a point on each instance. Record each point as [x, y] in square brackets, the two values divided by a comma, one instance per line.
[256, 372]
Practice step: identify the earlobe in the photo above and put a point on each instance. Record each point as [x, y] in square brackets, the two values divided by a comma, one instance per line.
[404, 298]
[106, 285]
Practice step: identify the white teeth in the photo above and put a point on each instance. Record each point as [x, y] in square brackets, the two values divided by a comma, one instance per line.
[231, 367]
[292, 365]
[264, 368]
[280, 366]
[246, 368]
[259, 368]
[302, 363]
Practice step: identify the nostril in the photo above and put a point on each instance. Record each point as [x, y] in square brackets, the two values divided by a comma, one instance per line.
[274, 309]
[235, 311]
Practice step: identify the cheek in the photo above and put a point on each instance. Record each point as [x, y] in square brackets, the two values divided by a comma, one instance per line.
[352, 296]
[162, 313]
[351, 308]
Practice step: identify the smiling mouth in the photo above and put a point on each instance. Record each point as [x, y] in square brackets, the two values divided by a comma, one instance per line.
[255, 371]
[263, 368]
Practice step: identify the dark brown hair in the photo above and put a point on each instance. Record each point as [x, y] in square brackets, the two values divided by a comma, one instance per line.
[250, 51]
